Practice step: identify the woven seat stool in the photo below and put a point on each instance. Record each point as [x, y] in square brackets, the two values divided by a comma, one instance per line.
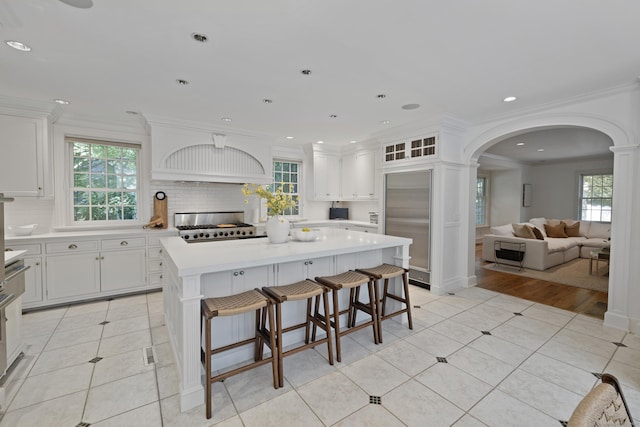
[304, 290]
[233, 305]
[386, 272]
[351, 280]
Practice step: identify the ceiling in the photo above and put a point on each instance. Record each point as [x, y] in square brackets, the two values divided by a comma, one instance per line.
[459, 58]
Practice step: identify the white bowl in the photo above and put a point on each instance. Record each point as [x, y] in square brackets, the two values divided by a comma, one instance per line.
[305, 236]
[23, 230]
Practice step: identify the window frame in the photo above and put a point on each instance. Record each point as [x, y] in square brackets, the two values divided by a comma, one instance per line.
[70, 187]
[581, 197]
[299, 183]
[486, 199]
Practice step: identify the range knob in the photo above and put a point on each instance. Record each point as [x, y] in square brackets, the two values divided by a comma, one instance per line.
[226, 234]
[195, 236]
[231, 233]
[201, 234]
[206, 235]
[185, 237]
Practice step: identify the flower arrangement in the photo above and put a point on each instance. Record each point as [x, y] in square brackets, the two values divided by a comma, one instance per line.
[277, 202]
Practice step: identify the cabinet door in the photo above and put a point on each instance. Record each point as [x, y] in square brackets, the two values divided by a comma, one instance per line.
[73, 275]
[349, 178]
[122, 269]
[33, 281]
[13, 337]
[365, 178]
[295, 271]
[21, 161]
[326, 176]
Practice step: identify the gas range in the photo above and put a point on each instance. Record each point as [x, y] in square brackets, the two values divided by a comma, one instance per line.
[210, 226]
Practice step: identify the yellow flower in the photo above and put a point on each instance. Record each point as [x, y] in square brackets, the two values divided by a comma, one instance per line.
[277, 202]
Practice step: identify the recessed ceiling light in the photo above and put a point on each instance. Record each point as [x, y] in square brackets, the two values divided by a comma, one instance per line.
[62, 101]
[199, 37]
[289, 137]
[267, 101]
[81, 4]
[333, 116]
[320, 142]
[520, 143]
[410, 106]
[385, 122]
[226, 119]
[306, 72]
[540, 149]
[352, 142]
[17, 45]
[182, 82]
[510, 99]
[381, 96]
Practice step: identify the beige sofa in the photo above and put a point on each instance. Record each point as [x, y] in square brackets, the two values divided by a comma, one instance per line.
[541, 254]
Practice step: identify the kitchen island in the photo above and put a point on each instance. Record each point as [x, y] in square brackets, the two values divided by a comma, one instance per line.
[193, 271]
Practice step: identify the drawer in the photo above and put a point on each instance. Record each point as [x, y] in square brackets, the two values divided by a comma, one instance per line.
[155, 252]
[34, 249]
[153, 241]
[72, 246]
[155, 265]
[122, 243]
[155, 279]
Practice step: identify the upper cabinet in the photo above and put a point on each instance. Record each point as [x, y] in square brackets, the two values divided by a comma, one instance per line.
[192, 152]
[416, 149]
[24, 144]
[326, 176]
[358, 176]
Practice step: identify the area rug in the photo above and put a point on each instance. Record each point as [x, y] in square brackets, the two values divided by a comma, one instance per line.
[573, 273]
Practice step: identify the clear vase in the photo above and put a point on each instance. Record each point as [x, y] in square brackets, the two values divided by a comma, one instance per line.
[277, 229]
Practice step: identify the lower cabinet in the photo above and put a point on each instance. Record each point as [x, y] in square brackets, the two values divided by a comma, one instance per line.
[73, 275]
[33, 281]
[13, 325]
[122, 269]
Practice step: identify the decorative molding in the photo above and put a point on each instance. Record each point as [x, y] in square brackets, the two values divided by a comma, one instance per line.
[213, 160]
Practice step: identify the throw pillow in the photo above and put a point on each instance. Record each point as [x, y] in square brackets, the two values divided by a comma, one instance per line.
[523, 230]
[539, 222]
[555, 230]
[537, 233]
[572, 230]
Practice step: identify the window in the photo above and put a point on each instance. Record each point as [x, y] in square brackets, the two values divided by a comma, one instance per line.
[287, 175]
[481, 201]
[104, 180]
[596, 194]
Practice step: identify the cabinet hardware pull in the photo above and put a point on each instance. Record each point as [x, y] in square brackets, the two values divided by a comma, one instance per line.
[97, 258]
[160, 264]
[101, 257]
[161, 276]
[235, 273]
[160, 251]
[241, 273]
[124, 243]
[37, 263]
[306, 263]
[39, 188]
[73, 246]
[310, 262]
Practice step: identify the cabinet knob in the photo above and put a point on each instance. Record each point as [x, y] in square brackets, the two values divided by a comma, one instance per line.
[310, 262]
[235, 273]
[160, 264]
[37, 263]
[97, 258]
[306, 263]
[124, 243]
[161, 276]
[39, 188]
[160, 251]
[241, 273]
[73, 246]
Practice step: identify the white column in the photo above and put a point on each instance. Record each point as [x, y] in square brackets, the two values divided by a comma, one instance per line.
[623, 310]
[191, 390]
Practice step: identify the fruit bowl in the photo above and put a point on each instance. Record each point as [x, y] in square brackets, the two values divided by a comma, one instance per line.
[305, 234]
[23, 230]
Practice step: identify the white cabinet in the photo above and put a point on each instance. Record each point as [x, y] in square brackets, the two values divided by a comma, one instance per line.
[13, 328]
[122, 269]
[21, 162]
[326, 176]
[73, 275]
[154, 263]
[33, 276]
[358, 175]
[291, 272]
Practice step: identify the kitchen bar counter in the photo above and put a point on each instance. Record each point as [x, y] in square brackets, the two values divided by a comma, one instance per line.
[208, 269]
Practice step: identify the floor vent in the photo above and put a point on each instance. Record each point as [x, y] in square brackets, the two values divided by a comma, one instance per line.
[104, 323]
[83, 424]
[564, 423]
[485, 332]
[518, 314]
[149, 356]
[95, 360]
[376, 400]
[619, 344]
[441, 359]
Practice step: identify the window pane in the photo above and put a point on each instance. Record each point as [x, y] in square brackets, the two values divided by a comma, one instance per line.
[81, 198]
[114, 166]
[98, 151]
[114, 181]
[97, 166]
[80, 214]
[114, 152]
[129, 168]
[115, 213]
[98, 198]
[596, 197]
[129, 198]
[80, 164]
[129, 153]
[81, 149]
[98, 213]
[129, 182]
[114, 198]
[98, 180]
[81, 180]
[130, 212]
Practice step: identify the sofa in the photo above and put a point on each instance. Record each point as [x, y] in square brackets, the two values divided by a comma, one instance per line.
[547, 242]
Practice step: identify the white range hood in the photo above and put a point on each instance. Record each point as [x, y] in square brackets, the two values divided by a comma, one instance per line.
[187, 151]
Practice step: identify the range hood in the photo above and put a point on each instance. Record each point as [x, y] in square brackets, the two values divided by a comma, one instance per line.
[182, 151]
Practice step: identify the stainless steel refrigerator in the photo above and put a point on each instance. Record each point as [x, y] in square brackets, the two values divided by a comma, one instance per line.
[407, 214]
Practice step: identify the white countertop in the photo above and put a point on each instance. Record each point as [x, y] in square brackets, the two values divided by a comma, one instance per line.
[11, 256]
[209, 257]
[72, 234]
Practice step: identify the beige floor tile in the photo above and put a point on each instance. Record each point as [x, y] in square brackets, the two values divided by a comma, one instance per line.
[459, 301]
[501, 349]
[496, 314]
[386, 377]
[401, 330]
[573, 356]
[520, 337]
[128, 301]
[628, 376]
[148, 415]
[222, 409]
[455, 385]
[457, 331]
[118, 327]
[594, 327]
[119, 366]
[253, 387]
[475, 320]
[333, 397]
[164, 354]
[37, 326]
[127, 311]
[65, 357]
[500, 409]
[118, 397]
[632, 341]
[585, 342]
[508, 303]
[426, 317]
[534, 325]
[50, 385]
[627, 355]
[441, 308]
[481, 365]
[73, 337]
[475, 294]
[469, 421]
[416, 405]
[370, 415]
[308, 365]
[80, 321]
[89, 307]
[61, 411]
[407, 357]
[560, 373]
[542, 313]
[124, 343]
[434, 343]
[168, 380]
[288, 409]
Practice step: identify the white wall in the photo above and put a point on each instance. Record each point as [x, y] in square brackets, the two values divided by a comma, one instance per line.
[506, 190]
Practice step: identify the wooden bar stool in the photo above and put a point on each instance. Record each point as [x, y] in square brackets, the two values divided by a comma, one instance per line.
[306, 289]
[386, 272]
[233, 305]
[351, 280]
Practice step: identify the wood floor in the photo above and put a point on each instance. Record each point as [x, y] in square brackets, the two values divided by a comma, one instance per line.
[578, 300]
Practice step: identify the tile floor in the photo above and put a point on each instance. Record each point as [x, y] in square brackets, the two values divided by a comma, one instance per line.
[503, 362]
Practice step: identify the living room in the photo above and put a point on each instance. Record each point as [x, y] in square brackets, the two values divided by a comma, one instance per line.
[539, 174]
